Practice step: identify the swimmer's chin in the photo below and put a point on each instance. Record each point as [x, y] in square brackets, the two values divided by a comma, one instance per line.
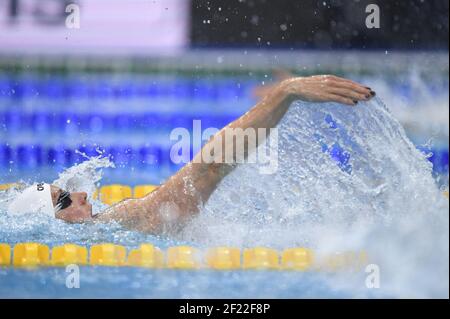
[87, 221]
[77, 215]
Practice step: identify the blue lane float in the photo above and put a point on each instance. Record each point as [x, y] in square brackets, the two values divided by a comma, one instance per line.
[67, 123]
[33, 155]
[74, 88]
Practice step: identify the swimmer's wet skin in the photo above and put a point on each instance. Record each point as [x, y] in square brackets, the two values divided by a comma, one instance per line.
[168, 207]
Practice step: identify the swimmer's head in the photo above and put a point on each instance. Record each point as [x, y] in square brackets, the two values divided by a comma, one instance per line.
[52, 201]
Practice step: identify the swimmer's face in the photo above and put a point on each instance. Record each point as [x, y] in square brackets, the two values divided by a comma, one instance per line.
[78, 208]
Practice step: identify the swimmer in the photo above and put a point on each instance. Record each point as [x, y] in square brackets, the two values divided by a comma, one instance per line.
[169, 206]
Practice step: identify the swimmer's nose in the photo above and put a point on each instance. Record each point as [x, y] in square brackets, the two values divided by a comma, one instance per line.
[82, 197]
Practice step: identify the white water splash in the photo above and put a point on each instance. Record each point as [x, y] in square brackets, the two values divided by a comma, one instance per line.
[84, 176]
[423, 109]
[381, 198]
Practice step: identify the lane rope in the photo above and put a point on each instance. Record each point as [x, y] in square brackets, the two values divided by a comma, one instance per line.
[36, 255]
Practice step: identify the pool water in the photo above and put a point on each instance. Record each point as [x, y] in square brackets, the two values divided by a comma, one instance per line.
[144, 283]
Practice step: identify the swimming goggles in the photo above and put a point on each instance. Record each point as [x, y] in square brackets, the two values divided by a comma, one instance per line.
[63, 201]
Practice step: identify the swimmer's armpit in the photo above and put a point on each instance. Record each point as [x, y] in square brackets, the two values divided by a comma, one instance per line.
[155, 213]
[128, 212]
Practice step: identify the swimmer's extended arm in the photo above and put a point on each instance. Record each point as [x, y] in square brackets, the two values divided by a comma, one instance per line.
[183, 194]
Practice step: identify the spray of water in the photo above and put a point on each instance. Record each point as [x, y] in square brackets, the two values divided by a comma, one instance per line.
[418, 101]
[84, 176]
[348, 179]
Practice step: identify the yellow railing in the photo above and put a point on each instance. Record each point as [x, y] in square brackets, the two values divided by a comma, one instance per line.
[33, 255]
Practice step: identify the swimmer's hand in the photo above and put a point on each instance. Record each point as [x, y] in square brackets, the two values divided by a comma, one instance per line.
[325, 88]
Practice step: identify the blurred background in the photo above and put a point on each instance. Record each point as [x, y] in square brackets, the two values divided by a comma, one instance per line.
[88, 76]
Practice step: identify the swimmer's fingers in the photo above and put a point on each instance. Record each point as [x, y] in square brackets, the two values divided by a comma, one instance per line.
[341, 99]
[355, 87]
[350, 93]
[349, 84]
[325, 88]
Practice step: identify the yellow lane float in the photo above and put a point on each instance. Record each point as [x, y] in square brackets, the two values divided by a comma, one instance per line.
[146, 256]
[260, 258]
[183, 257]
[112, 194]
[108, 255]
[143, 190]
[69, 254]
[297, 259]
[223, 258]
[5, 255]
[31, 255]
